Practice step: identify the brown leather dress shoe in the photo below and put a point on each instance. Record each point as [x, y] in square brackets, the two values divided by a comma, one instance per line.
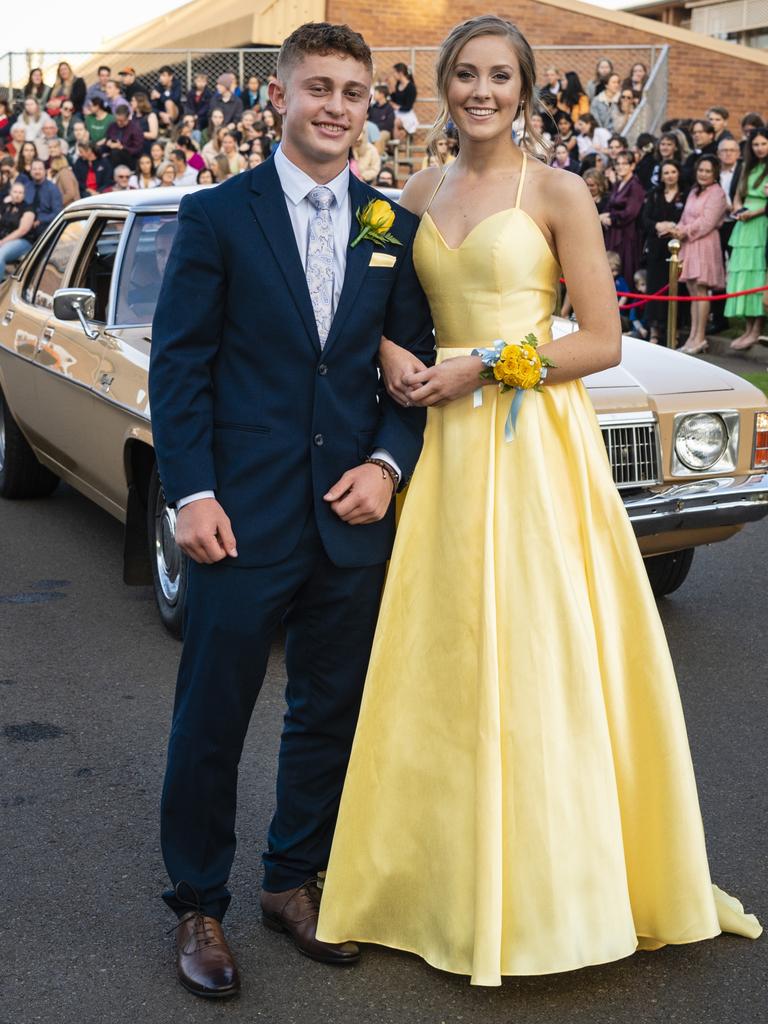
[295, 912]
[204, 961]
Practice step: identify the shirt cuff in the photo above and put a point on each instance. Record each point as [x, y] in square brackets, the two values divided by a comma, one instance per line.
[193, 497]
[383, 454]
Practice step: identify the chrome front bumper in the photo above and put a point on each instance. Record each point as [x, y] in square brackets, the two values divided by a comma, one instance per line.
[699, 505]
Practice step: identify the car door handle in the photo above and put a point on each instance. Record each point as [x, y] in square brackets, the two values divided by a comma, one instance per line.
[8, 316]
[48, 333]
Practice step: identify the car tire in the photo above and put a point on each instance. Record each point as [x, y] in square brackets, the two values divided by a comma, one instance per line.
[21, 475]
[668, 572]
[169, 564]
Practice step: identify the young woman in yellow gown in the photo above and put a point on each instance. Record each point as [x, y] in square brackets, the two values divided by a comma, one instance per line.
[520, 796]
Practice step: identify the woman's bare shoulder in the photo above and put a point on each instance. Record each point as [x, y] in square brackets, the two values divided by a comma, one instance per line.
[419, 189]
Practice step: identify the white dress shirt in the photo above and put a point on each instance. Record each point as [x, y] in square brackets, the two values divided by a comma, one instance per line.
[297, 185]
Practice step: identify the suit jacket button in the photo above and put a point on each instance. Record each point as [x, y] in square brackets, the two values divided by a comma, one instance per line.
[322, 369]
[319, 440]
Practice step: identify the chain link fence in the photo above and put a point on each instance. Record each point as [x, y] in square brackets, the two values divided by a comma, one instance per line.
[15, 67]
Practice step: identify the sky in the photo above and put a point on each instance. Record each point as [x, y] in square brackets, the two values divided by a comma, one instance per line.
[53, 26]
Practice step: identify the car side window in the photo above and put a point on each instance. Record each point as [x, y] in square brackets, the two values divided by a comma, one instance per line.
[94, 270]
[49, 272]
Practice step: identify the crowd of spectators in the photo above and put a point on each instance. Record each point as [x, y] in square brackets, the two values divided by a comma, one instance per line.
[702, 181]
[73, 139]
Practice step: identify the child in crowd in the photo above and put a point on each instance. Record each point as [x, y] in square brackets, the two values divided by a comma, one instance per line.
[637, 314]
[620, 283]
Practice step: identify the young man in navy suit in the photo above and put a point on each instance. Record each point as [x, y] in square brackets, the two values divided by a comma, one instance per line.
[282, 454]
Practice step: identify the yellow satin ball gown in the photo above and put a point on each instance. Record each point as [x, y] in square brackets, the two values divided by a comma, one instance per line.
[520, 796]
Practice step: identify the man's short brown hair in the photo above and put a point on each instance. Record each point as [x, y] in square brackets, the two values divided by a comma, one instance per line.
[322, 38]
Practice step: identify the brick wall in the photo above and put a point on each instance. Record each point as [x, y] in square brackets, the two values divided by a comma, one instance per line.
[698, 77]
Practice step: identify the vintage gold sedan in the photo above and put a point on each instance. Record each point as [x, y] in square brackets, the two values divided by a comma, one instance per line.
[687, 441]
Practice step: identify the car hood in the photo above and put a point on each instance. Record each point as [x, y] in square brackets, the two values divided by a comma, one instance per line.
[660, 371]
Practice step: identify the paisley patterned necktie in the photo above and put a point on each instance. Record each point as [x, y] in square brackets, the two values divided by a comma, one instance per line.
[320, 260]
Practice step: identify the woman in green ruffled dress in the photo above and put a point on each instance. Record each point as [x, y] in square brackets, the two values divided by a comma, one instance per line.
[747, 265]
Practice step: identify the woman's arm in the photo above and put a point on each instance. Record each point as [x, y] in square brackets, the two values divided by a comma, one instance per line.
[712, 215]
[153, 126]
[25, 225]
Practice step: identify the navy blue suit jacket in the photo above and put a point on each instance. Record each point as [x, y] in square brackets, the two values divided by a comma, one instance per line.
[244, 401]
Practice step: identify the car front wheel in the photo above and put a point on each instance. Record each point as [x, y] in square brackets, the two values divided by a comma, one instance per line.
[21, 475]
[169, 563]
[668, 572]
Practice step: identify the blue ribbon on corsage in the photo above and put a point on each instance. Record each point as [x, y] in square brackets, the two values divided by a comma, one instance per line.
[491, 356]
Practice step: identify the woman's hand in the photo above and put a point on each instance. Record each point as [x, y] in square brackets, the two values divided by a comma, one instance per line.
[395, 362]
[452, 379]
[605, 220]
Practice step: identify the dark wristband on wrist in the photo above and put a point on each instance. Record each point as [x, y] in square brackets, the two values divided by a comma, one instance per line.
[386, 471]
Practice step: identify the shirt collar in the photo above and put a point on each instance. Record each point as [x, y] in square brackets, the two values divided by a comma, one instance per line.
[297, 185]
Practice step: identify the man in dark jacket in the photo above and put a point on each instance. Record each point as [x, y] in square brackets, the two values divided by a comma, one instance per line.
[43, 196]
[124, 140]
[93, 173]
[198, 101]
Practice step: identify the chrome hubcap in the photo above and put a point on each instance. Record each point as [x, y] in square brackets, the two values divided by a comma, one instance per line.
[168, 555]
[2, 435]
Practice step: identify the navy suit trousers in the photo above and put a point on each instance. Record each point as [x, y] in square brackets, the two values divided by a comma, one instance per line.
[232, 615]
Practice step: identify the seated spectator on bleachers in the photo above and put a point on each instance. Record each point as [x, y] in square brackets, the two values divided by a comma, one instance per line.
[273, 125]
[27, 153]
[565, 132]
[231, 153]
[572, 99]
[250, 94]
[98, 121]
[542, 130]
[245, 132]
[166, 172]
[124, 140]
[636, 81]
[402, 96]
[562, 158]
[8, 175]
[93, 172]
[146, 119]
[438, 153]
[382, 113]
[215, 122]
[67, 86]
[166, 98]
[145, 176]
[212, 148]
[198, 101]
[605, 106]
[81, 134]
[5, 122]
[50, 134]
[627, 104]
[591, 138]
[115, 96]
[16, 221]
[121, 179]
[703, 135]
[220, 168]
[36, 87]
[189, 128]
[225, 100]
[366, 157]
[62, 176]
[205, 177]
[386, 177]
[183, 173]
[43, 197]
[254, 159]
[16, 141]
[603, 69]
[193, 158]
[261, 139]
[32, 118]
[66, 121]
[98, 88]
[128, 84]
[718, 118]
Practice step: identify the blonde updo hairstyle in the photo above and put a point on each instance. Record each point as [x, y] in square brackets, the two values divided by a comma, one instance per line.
[458, 37]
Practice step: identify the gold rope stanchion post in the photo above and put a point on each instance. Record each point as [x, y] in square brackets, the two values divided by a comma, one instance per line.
[674, 272]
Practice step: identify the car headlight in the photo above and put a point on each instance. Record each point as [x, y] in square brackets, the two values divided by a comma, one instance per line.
[700, 440]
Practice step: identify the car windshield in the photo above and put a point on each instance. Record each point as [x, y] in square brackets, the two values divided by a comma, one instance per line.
[146, 254]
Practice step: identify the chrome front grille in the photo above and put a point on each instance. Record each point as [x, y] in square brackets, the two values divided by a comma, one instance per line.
[633, 449]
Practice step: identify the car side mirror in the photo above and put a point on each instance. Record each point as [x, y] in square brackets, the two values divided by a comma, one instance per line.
[76, 304]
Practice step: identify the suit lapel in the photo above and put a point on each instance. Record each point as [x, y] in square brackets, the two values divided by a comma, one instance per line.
[357, 263]
[268, 204]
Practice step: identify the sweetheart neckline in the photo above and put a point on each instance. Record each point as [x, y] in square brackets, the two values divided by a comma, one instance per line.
[508, 209]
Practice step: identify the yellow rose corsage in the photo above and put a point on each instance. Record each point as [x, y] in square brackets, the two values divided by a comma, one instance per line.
[518, 366]
[375, 220]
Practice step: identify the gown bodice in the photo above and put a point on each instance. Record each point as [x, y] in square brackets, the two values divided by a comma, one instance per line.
[500, 283]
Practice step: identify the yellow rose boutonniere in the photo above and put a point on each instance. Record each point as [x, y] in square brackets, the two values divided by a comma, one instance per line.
[375, 220]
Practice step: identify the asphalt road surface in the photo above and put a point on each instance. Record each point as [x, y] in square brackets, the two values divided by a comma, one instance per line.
[86, 685]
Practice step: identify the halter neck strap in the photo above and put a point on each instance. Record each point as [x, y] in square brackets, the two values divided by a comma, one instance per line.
[520, 183]
[437, 189]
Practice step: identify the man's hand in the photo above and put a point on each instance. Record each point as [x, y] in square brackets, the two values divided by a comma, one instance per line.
[395, 362]
[361, 496]
[204, 532]
[449, 380]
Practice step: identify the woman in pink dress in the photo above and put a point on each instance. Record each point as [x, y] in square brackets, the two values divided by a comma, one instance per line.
[702, 257]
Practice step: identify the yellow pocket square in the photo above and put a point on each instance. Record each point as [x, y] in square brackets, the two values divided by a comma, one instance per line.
[382, 259]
